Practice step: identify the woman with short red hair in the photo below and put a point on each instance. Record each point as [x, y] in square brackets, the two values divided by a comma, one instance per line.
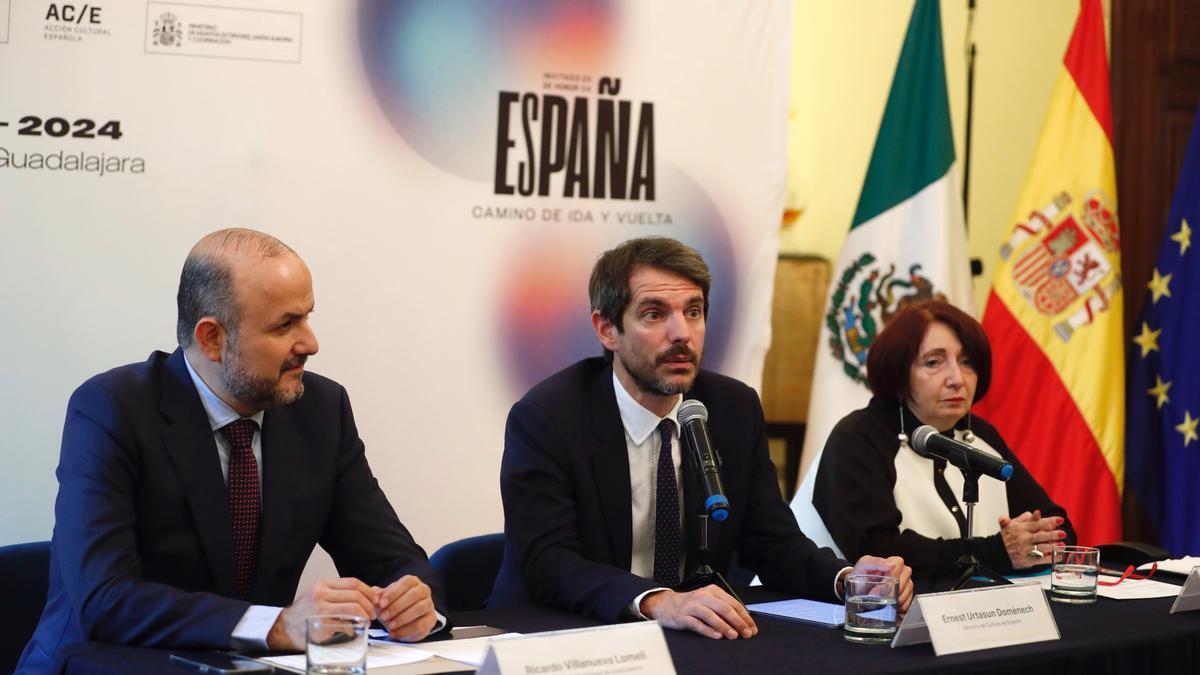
[875, 493]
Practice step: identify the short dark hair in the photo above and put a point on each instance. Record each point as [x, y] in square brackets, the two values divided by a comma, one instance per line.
[206, 282]
[896, 348]
[608, 288]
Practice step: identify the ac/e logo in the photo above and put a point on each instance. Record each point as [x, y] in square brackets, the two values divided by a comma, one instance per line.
[72, 14]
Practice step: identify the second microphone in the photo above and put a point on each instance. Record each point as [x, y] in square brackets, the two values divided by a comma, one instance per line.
[693, 420]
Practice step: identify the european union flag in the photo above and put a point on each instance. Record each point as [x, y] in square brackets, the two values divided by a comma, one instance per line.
[1162, 438]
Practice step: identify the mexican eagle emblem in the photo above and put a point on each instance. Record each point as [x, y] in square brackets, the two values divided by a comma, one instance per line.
[863, 301]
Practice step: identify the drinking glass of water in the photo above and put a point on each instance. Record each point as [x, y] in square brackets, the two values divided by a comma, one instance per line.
[1073, 572]
[871, 601]
[336, 644]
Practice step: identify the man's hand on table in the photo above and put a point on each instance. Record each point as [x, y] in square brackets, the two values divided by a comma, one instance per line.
[709, 611]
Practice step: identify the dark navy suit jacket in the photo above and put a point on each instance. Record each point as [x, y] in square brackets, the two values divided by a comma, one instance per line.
[142, 551]
[565, 484]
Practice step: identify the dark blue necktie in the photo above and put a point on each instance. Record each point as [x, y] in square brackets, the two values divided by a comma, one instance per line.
[667, 552]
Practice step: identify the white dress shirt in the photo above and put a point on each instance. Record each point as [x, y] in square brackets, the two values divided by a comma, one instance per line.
[643, 444]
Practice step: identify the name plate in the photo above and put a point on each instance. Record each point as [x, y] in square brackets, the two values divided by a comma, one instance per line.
[624, 648]
[978, 618]
[1189, 596]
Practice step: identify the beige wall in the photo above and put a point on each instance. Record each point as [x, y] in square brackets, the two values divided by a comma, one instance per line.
[843, 58]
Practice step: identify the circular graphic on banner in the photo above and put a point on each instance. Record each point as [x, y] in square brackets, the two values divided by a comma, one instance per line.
[544, 315]
[437, 66]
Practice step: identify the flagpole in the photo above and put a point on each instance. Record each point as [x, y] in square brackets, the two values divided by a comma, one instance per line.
[970, 54]
[976, 263]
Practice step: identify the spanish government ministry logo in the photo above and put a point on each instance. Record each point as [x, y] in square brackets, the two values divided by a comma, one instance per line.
[1065, 260]
[864, 300]
[167, 32]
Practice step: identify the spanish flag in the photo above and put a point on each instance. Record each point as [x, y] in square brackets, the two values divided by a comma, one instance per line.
[1054, 316]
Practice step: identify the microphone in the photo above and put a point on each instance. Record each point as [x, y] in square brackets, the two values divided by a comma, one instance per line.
[929, 443]
[693, 418]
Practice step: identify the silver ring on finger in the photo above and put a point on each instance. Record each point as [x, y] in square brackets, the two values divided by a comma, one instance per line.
[1035, 554]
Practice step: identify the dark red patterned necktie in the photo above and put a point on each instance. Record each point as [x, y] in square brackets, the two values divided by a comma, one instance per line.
[667, 553]
[244, 502]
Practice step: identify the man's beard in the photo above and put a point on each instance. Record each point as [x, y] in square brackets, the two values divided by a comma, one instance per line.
[256, 391]
[645, 372]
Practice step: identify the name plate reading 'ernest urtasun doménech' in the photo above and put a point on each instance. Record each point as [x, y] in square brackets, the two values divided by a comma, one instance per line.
[979, 618]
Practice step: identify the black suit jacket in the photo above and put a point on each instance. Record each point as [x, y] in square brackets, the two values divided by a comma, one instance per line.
[565, 484]
[142, 551]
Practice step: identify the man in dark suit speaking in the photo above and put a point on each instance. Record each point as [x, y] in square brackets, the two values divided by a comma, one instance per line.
[600, 510]
[193, 486]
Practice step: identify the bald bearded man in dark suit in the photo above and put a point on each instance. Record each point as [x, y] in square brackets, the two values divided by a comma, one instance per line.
[194, 486]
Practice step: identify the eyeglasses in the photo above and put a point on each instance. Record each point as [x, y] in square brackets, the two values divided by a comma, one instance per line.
[1130, 573]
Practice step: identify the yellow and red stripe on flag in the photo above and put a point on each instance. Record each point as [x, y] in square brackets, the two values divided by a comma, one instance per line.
[1054, 316]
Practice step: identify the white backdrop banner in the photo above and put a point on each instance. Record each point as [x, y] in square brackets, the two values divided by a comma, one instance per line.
[449, 171]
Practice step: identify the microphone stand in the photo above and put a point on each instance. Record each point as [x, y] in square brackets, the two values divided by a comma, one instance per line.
[968, 563]
[704, 574]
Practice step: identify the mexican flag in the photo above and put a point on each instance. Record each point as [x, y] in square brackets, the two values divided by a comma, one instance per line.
[907, 242]
[1054, 316]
